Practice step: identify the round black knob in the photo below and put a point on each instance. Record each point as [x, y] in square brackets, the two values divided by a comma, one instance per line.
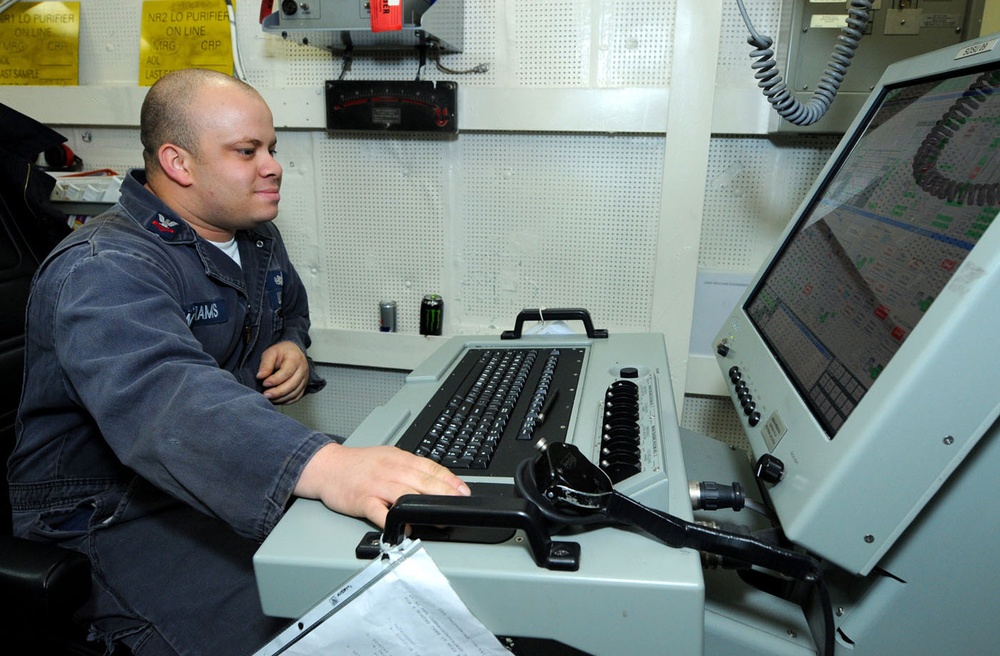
[769, 469]
[629, 372]
[754, 418]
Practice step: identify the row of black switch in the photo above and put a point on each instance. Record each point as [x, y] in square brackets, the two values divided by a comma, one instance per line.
[744, 396]
[620, 450]
[768, 468]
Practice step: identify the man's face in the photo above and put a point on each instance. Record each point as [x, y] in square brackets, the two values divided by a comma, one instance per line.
[236, 178]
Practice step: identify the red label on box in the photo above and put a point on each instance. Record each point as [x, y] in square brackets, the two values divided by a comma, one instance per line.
[386, 15]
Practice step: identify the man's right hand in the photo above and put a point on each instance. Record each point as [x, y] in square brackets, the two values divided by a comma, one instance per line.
[366, 481]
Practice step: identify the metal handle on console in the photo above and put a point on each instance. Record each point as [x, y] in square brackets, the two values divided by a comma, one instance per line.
[483, 511]
[555, 314]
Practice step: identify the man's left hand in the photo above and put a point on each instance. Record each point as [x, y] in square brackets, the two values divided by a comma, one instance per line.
[284, 372]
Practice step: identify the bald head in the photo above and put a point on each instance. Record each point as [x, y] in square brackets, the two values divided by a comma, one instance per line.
[169, 115]
[208, 143]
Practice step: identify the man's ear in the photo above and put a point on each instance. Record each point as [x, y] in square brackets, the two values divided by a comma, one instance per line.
[176, 164]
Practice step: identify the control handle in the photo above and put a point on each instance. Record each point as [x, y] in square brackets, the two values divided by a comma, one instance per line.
[555, 314]
[482, 511]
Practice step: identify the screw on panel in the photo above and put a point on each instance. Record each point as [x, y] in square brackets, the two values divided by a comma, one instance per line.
[869, 538]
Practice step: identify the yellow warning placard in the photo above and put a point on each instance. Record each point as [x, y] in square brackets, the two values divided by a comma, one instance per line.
[40, 44]
[180, 34]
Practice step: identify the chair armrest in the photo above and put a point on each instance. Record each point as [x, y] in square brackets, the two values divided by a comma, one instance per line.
[44, 581]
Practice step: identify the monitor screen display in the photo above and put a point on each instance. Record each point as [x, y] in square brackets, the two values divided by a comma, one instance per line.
[897, 215]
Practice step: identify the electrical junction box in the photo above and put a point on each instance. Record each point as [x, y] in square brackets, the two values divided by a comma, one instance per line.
[897, 29]
[341, 25]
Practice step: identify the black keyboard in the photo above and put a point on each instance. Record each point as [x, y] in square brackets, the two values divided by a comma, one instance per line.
[493, 407]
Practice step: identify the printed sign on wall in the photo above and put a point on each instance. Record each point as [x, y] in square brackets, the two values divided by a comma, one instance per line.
[40, 44]
[180, 34]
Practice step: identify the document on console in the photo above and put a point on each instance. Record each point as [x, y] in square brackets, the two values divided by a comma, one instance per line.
[400, 604]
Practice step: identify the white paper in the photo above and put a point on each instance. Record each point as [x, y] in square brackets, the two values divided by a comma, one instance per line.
[403, 605]
[716, 294]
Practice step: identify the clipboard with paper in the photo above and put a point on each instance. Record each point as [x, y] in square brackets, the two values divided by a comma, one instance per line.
[399, 604]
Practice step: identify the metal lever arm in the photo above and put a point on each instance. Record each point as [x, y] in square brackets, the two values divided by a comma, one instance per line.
[676, 532]
[570, 490]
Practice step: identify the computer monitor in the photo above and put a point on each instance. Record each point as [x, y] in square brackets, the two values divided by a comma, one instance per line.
[864, 359]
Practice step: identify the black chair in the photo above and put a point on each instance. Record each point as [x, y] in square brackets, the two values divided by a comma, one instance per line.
[42, 585]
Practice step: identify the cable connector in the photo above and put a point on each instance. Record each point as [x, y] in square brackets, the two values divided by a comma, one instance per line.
[709, 495]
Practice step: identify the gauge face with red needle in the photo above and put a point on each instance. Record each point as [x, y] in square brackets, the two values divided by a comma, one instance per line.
[385, 106]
